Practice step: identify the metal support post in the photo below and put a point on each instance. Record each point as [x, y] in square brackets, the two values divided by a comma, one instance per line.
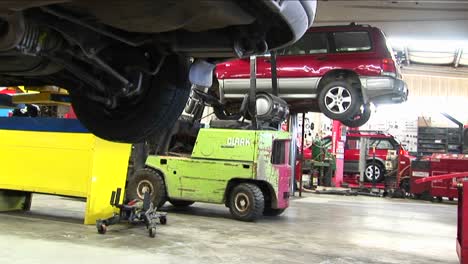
[363, 151]
[293, 149]
[253, 91]
[462, 223]
[274, 78]
[338, 139]
[274, 75]
[373, 167]
[302, 154]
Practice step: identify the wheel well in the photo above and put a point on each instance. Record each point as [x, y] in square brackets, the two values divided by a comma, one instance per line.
[377, 161]
[160, 173]
[339, 75]
[267, 190]
[405, 178]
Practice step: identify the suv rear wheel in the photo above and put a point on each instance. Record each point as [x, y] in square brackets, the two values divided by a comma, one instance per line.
[339, 100]
[360, 118]
[371, 169]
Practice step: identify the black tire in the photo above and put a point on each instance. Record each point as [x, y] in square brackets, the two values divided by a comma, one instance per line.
[405, 185]
[426, 195]
[102, 229]
[246, 202]
[360, 118]
[147, 180]
[349, 109]
[163, 220]
[180, 203]
[152, 231]
[273, 212]
[154, 110]
[379, 172]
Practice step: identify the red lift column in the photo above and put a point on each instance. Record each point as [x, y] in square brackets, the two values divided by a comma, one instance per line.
[338, 142]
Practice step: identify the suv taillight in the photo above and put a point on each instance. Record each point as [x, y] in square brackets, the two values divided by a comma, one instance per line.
[404, 152]
[388, 67]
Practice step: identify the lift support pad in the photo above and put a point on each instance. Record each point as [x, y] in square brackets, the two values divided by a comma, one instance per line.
[42, 96]
[59, 156]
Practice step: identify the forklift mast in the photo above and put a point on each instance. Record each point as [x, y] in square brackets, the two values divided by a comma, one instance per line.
[266, 115]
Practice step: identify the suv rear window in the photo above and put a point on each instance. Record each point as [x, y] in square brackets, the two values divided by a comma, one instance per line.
[352, 41]
[310, 43]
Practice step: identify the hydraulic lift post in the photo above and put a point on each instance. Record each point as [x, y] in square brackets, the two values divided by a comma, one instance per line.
[302, 153]
[363, 151]
[338, 141]
[293, 148]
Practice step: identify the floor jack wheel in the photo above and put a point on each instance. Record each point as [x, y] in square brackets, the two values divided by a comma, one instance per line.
[101, 228]
[152, 231]
[163, 220]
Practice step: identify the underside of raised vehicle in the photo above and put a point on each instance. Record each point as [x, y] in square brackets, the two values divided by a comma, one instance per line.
[126, 63]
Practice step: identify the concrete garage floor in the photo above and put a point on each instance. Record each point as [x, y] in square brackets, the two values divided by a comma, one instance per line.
[316, 229]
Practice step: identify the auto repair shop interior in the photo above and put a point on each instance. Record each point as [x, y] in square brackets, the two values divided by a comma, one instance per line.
[300, 131]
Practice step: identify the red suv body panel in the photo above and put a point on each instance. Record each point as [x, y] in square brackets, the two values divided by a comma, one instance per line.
[314, 65]
[304, 67]
[351, 156]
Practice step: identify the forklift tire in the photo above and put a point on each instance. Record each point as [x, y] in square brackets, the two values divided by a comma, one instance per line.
[273, 212]
[246, 202]
[180, 203]
[144, 180]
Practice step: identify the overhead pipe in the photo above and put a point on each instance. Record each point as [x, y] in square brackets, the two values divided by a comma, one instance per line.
[456, 62]
[253, 91]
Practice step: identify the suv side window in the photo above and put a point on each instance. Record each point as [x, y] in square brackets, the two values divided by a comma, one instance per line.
[352, 41]
[352, 143]
[310, 43]
[381, 144]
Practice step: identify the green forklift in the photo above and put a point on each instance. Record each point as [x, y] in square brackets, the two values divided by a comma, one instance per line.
[241, 160]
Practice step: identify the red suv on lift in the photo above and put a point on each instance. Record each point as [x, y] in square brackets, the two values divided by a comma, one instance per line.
[383, 142]
[337, 70]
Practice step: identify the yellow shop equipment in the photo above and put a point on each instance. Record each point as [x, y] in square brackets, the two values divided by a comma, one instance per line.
[58, 156]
